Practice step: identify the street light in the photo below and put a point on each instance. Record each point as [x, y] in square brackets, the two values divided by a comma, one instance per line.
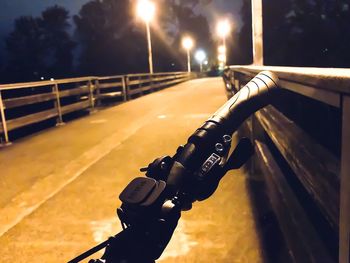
[222, 49]
[146, 10]
[187, 44]
[223, 28]
[200, 56]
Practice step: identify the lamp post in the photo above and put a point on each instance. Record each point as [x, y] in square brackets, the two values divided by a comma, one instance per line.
[223, 28]
[146, 10]
[200, 56]
[187, 44]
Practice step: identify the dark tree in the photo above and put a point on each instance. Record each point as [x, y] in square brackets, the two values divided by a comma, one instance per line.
[321, 32]
[180, 19]
[307, 33]
[26, 50]
[113, 41]
[54, 23]
[241, 48]
[110, 44]
[40, 47]
[277, 32]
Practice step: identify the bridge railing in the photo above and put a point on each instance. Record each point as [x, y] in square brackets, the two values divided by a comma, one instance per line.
[24, 104]
[302, 143]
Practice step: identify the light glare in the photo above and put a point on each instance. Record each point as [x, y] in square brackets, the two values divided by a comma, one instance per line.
[223, 28]
[222, 49]
[146, 10]
[222, 58]
[187, 43]
[200, 56]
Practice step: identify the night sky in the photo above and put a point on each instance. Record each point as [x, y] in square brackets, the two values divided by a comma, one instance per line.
[11, 9]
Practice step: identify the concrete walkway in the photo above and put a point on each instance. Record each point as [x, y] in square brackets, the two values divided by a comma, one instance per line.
[59, 189]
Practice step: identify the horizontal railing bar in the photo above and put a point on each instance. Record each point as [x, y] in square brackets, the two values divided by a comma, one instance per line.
[138, 82]
[331, 79]
[111, 77]
[302, 240]
[73, 92]
[109, 95]
[155, 74]
[157, 85]
[24, 85]
[75, 106]
[325, 96]
[164, 78]
[316, 168]
[110, 85]
[27, 100]
[30, 119]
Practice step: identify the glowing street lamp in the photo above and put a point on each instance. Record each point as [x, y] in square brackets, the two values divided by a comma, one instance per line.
[223, 28]
[146, 10]
[222, 49]
[200, 56]
[222, 58]
[187, 44]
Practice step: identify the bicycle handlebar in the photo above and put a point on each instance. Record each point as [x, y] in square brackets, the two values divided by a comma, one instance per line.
[252, 97]
[152, 206]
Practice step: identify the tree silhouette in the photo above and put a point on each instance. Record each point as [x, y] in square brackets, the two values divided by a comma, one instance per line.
[242, 48]
[113, 41]
[54, 23]
[110, 44]
[26, 50]
[178, 19]
[40, 47]
[307, 33]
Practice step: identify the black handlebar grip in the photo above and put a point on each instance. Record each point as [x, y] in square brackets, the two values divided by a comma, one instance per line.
[252, 97]
[255, 95]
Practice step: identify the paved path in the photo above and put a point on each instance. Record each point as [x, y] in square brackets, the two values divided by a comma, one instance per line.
[59, 188]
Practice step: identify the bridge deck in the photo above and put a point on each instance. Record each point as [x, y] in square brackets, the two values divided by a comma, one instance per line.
[59, 189]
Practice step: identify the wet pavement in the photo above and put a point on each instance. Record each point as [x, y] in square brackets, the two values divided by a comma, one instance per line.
[59, 188]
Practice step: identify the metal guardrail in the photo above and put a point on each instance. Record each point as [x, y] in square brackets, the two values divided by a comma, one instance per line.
[23, 104]
[281, 141]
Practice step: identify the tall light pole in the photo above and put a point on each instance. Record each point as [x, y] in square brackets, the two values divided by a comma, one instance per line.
[146, 10]
[187, 44]
[223, 28]
[258, 43]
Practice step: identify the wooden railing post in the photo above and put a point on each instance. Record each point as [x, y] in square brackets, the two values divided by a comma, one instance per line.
[91, 95]
[140, 85]
[127, 87]
[151, 82]
[3, 121]
[97, 88]
[125, 90]
[344, 224]
[57, 104]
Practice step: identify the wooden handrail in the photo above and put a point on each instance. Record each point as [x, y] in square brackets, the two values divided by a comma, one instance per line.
[83, 93]
[320, 172]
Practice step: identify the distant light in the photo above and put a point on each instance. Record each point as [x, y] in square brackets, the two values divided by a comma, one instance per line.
[222, 49]
[52, 79]
[42, 78]
[187, 43]
[146, 10]
[206, 62]
[200, 56]
[222, 58]
[223, 28]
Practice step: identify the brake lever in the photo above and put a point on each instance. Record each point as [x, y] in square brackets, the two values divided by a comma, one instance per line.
[240, 155]
[207, 185]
